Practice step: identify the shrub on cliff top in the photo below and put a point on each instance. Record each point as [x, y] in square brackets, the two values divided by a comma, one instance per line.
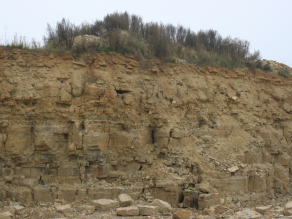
[128, 33]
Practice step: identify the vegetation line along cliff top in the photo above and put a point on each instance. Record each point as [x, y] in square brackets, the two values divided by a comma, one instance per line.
[125, 33]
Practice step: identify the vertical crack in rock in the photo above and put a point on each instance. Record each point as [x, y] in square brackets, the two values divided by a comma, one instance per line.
[153, 136]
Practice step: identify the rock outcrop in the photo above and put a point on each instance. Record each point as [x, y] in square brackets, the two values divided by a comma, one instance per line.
[106, 125]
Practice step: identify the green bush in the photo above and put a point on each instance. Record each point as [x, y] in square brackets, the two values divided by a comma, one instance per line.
[124, 33]
[282, 73]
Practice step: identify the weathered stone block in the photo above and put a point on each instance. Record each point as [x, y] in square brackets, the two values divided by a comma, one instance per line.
[237, 184]
[66, 192]
[247, 213]
[6, 215]
[64, 209]
[208, 200]
[263, 209]
[148, 210]
[163, 206]
[170, 195]
[43, 193]
[283, 159]
[104, 204]
[288, 205]
[21, 194]
[125, 200]
[128, 211]
[16, 144]
[190, 199]
[182, 214]
[86, 208]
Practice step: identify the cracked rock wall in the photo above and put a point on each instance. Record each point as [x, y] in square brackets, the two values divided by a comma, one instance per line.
[105, 125]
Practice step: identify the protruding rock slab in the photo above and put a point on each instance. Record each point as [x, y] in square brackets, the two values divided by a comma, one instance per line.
[128, 211]
[204, 187]
[182, 214]
[148, 210]
[276, 210]
[104, 204]
[164, 207]
[125, 200]
[64, 209]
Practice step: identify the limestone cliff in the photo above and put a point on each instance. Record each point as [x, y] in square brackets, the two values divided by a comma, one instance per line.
[105, 124]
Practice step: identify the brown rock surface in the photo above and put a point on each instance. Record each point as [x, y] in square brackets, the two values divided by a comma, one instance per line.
[263, 209]
[125, 200]
[104, 204]
[247, 213]
[148, 210]
[182, 214]
[162, 205]
[105, 125]
[128, 211]
[86, 208]
[64, 209]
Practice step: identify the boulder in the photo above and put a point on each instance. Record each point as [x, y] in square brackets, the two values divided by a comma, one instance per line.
[233, 169]
[104, 204]
[182, 214]
[9, 209]
[163, 206]
[287, 212]
[87, 208]
[208, 200]
[262, 209]
[15, 209]
[247, 213]
[204, 187]
[125, 200]
[87, 40]
[288, 205]
[64, 209]
[148, 210]
[128, 211]
[6, 215]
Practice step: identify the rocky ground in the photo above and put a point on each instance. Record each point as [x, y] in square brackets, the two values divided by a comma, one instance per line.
[125, 206]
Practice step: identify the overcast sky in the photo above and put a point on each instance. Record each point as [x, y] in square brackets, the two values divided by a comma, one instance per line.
[267, 24]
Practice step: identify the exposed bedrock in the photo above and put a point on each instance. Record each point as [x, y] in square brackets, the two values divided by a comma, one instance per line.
[106, 125]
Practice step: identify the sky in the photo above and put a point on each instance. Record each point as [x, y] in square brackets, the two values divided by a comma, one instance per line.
[266, 24]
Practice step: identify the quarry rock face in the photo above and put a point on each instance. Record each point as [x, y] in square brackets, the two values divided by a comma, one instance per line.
[106, 125]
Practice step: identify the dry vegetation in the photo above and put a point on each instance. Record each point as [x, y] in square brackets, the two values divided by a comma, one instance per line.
[125, 33]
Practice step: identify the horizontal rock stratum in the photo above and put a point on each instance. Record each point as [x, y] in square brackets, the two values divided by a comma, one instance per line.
[110, 124]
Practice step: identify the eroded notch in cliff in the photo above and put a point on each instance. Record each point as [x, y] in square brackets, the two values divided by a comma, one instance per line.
[82, 126]
[123, 91]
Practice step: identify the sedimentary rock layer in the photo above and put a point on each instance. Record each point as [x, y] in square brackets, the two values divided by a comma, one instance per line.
[108, 124]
